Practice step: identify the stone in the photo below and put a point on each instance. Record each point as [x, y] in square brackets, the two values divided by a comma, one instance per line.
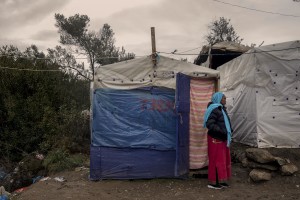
[258, 175]
[288, 169]
[282, 161]
[251, 164]
[259, 155]
[238, 156]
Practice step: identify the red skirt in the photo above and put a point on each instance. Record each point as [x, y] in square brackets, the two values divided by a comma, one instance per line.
[219, 161]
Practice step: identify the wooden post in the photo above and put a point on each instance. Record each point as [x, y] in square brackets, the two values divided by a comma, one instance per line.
[153, 45]
[217, 84]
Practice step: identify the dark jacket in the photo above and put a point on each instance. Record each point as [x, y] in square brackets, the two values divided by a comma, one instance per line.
[216, 124]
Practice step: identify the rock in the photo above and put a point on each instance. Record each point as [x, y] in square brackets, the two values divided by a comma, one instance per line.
[238, 155]
[251, 164]
[258, 175]
[259, 155]
[288, 169]
[245, 162]
[282, 161]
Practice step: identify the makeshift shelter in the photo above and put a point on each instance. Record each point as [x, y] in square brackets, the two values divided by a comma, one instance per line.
[263, 95]
[141, 118]
[219, 53]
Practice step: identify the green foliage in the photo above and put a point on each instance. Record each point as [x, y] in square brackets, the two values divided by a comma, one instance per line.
[67, 63]
[98, 47]
[109, 52]
[60, 160]
[38, 108]
[221, 30]
[72, 29]
[42, 95]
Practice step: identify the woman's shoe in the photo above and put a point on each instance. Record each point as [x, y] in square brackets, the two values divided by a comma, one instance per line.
[225, 185]
[216, 187]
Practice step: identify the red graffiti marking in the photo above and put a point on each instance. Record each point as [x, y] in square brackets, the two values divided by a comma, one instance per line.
[157, 105]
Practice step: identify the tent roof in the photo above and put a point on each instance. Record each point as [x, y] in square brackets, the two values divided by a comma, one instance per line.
[141, 72]
[231, 46]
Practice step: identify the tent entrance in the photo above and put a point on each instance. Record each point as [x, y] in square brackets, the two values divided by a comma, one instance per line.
[192, 97]
[201, 91]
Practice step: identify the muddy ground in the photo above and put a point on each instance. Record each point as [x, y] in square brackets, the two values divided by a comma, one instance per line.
[78, 186]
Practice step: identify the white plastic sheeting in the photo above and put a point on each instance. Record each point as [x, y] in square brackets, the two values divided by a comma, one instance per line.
[230, 46]
[263, 91]
[141, 72]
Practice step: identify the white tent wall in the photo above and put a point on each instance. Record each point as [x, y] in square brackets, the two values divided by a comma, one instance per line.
[277, 124]
[240, 103]
[263, 87]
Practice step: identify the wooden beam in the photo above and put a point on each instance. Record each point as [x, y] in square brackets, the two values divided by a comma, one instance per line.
[153, 46]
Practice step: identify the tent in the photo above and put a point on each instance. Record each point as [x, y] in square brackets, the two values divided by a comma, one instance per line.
[141, 117]
[263, 95]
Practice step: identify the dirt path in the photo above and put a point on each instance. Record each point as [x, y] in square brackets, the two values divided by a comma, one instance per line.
[77, 186]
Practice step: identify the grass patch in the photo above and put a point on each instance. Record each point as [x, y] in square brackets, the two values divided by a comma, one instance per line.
[60, 160]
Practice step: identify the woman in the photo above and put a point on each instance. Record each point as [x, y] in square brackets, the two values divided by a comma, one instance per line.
[217, 122]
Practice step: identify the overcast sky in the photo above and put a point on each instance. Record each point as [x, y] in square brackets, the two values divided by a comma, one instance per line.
[179, 24]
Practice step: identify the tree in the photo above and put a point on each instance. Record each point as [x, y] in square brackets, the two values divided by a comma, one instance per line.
[108, 53]
[221, 30]
[40, 103]
[98, 47]
[67, 63]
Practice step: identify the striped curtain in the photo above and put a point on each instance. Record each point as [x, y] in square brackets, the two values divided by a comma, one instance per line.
[200, 94]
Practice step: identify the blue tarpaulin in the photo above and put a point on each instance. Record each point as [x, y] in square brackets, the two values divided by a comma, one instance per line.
[139, 118]
[131, 163]
[134, 134]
